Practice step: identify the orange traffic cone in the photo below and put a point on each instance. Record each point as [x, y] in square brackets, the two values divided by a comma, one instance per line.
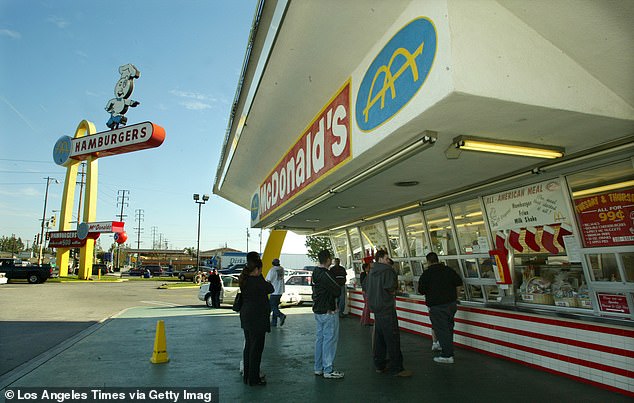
[159, 356]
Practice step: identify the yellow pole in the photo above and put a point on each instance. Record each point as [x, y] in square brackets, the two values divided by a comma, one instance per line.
[273, 249]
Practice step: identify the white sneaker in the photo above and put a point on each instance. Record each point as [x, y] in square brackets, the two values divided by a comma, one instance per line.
[334, 375]
[318, 373]
[435, 346]
[444, 360]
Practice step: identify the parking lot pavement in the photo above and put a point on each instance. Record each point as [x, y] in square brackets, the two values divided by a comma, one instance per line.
[205, 346]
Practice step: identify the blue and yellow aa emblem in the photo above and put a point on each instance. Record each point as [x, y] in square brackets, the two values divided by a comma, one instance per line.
[396, 74]
[255, 207]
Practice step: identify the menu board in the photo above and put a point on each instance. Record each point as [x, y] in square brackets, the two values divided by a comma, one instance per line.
[542, 203]
[607, 219]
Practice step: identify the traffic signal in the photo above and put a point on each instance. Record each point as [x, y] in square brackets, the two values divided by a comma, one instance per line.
[53, 220]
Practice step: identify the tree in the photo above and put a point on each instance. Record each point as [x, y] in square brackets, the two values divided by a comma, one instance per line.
[314, 244]
[11, 244]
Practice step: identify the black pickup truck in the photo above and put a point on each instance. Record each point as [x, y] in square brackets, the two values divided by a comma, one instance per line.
[14, 269]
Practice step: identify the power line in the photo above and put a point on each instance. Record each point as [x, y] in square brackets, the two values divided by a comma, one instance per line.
[39, 162]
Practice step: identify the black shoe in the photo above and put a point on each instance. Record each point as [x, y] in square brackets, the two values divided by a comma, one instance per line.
[282, 320]
[261, 382]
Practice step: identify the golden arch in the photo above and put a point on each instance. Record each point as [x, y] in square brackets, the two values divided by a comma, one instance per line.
[85, 128]
[389, 78]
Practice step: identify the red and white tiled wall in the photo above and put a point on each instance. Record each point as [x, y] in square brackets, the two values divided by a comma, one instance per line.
[595, 353]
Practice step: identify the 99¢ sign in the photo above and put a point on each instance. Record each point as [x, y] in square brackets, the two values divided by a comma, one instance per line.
[607, 219]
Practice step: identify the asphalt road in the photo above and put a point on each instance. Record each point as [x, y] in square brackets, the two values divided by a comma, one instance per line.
[36, 317]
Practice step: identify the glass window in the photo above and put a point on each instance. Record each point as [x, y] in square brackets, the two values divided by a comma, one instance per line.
[442, 241]
[396, 238]
[604, 267]
[628, 263]
[340, 243]
[416, 239]
[355, 243]
[470, 227]
[374, 237]
[550, 280]
[417, 267]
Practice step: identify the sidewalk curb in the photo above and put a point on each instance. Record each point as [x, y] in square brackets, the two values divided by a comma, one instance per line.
[25, 368]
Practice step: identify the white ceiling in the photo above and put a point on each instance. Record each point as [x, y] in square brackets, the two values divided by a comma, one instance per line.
[321, 42]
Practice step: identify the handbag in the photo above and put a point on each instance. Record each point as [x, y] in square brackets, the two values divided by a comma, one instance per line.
[237, 303]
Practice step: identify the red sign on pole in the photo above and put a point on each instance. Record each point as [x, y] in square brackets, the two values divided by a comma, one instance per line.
[607, 219]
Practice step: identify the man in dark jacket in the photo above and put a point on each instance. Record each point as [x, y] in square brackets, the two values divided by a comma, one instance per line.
[339, 272]
[325, 292]
[439, 285]
[380, 286]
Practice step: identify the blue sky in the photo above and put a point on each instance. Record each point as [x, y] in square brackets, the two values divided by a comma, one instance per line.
[59, 63]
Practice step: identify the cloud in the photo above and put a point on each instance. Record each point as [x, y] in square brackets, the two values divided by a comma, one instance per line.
[188, 94]
[59, 21]
[195, 105]
[82, 54]
[10, 34]
[194, 101]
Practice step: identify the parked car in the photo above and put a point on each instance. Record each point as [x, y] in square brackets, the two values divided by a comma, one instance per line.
[233, 269]
[195, 274]
[298, 289]
[14, 269]
[136, 271]
[155, 269]
[230, 288]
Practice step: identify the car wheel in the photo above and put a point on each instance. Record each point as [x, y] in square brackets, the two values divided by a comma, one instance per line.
[182, 278]
[33, 279]
[209, 301]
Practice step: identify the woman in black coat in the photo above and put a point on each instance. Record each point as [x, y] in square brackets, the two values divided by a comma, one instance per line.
[254, 316]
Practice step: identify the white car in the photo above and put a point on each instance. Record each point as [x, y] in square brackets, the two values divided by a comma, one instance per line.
[298, 288]
[228, 293]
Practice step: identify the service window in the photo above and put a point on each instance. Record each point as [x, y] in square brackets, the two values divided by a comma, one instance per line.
[442, 241]
[396, 238]
[355, 243]
[374, 237]
[469, 222]
[415, 233]
[340, 244]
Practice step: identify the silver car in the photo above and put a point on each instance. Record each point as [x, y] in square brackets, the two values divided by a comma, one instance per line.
[228, 293]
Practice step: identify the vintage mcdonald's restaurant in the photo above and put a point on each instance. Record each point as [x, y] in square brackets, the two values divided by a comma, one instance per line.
[498, 134]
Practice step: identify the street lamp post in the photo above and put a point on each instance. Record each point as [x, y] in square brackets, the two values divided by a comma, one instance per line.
[48, 181]
[200, 203]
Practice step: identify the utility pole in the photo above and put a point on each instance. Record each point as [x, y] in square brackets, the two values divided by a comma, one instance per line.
[122, 200]
[247, 239]
[154, 228]
[138, 217]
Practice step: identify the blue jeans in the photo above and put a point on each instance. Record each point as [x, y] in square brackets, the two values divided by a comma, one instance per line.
[274, 300]
[326, 342]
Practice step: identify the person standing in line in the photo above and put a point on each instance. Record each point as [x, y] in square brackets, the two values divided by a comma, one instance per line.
[254, 317]
[215, 287]
[365, 316]
[439, 284]
[276, 278]
[339, 273]
[325, 292]
[381, 284]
